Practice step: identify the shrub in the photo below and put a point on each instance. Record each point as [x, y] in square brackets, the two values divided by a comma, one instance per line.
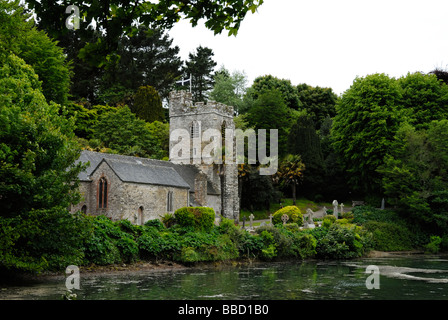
[434, 245]
[168, 220]
[155, 244]
[198, 218]
[294, 214]
[156, 223]
[342, 242]
[389, 236]
[328, 221]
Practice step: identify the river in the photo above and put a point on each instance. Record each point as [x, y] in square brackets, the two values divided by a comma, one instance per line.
[400, 277]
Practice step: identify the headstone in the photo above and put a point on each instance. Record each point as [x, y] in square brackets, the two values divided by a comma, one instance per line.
[244, 222]
[270, 219]
[324, 209]
[335, 208]
[383, 204]
[342, 208]
[285, 218]
[251, 217]
[263, 224]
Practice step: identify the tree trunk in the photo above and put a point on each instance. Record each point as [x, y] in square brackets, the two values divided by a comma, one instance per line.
[293, 194]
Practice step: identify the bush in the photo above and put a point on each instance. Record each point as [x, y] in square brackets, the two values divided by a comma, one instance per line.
[328, 221]
[156, 223]
[198, 218]
[390, 236]
[155, 244]
[294, 214]
[343, 242]
[168, 220]
[434, 245]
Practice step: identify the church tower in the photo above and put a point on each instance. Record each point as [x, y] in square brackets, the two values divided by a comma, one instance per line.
[194, 121]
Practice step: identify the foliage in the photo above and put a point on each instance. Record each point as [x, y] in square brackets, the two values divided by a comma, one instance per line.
[122, 131]
[389, 230]
[318, 102]
[146, 58]
[425, 98]
[229, 89]
[269, 111]
[197, 218]
[368, 117]
[294, 214]
[328, 220]
[341, 241]
[36, 145]
[304, 141]
[268, 83]
[414, 175]
[108, 243]
[148, 105]
[434, 244]
[18, 36]
[290, 173]
[199, 68]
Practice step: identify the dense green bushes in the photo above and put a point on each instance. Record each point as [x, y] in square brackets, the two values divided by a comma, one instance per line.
[294, 214]
[198, 218]
[390, 231]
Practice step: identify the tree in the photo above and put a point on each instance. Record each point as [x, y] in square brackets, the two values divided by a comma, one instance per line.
[269, 111]
[37, 173]
[425, 98]
[115, 18]
[147, 58]
[123, 132]
[269, 82]
[414, 175]
[229, 88]
[290, 173]
[148, 105]
[368, 117]
[37, 49]
[304, 141]
[200, 67]
[318, 102]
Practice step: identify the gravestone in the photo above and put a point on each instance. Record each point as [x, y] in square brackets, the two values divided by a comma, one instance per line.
[285, 218]
[342, 208]
[263, 224]
[251, 217]
[324, 209]
[270, 219]
[383, 204]
[335, 208]
[244, 222]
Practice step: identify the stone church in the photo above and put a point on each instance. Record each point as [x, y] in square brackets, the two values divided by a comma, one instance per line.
[140, 189]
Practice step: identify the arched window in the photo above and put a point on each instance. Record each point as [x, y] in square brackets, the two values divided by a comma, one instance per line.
[84, 209]
[140, 220]
[194, 129]
[102, 193]
[169, 201]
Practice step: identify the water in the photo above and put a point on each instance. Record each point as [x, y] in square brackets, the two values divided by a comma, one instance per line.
[405, 277]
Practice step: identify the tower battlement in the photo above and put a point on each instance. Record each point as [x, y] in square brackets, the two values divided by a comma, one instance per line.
[181, 104]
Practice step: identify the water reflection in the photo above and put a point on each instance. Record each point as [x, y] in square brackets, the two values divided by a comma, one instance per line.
[412, 277]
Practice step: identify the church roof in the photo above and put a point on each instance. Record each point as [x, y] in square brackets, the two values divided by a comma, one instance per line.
[143, 170]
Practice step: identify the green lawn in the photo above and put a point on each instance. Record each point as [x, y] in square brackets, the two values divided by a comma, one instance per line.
[302, 204]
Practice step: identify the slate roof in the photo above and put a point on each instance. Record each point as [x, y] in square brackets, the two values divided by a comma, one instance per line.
[143, 170]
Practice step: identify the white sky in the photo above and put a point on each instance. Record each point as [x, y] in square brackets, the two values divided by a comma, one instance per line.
[328, 43]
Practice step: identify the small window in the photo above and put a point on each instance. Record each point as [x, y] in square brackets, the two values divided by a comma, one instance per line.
[169, 202]
[84, 209]
[194, 129]
[102, 193]
[140, 218]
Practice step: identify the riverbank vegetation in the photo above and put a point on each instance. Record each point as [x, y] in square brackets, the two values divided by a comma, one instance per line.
[63, 90]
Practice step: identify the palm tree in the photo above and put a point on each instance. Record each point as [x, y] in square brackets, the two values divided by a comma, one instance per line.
[290, 172]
